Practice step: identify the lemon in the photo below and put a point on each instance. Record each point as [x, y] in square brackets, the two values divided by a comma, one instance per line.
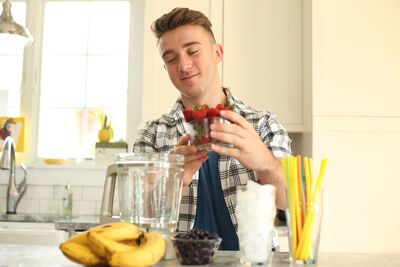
[104, 135]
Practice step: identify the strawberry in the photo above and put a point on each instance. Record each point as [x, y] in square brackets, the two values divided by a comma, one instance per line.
[199, 112]
[205, 106]
[222, 107]
[188, 114]
[213, 112]
[206, 138]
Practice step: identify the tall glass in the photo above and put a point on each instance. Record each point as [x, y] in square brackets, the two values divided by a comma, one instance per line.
[255, 212]
[304, 227]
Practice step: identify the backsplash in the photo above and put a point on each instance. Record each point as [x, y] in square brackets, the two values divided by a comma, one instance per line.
[47, 199]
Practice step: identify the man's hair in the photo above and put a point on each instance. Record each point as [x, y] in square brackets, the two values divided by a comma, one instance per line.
[179, 17]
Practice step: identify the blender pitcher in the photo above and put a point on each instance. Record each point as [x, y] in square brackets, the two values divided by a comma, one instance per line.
[149, 190]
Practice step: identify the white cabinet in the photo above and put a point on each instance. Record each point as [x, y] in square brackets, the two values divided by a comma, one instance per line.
[263, 56]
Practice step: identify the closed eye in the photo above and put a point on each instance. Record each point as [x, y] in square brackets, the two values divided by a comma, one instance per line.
[167, 61]
[193, 52]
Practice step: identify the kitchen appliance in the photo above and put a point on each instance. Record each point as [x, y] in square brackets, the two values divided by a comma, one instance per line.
[149, 191]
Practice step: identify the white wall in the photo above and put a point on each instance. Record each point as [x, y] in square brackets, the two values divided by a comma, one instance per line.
[356, 121]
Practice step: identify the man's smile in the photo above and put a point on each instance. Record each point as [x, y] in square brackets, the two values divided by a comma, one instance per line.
[188, 77]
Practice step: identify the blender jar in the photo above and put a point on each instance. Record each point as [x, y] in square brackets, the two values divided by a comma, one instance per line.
[150, 189]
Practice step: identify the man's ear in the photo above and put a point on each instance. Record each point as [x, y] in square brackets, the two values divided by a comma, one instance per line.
[219, 53]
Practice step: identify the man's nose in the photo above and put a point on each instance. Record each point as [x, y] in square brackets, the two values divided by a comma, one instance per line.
[185, 63]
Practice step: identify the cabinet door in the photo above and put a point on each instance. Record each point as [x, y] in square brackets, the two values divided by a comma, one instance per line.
[263, 56]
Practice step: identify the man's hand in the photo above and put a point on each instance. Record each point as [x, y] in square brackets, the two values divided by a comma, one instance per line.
[193, 158]
[248, 148]
[250, 151]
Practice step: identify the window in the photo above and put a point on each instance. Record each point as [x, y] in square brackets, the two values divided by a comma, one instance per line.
[78, 63]
[84, 66]
[11, 61]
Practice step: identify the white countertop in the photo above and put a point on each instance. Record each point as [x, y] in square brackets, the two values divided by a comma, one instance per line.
[32, 256]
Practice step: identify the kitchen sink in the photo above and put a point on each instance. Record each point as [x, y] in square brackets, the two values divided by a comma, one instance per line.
[13, 230]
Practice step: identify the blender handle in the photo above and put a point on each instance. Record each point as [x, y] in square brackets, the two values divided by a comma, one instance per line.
[108, 193]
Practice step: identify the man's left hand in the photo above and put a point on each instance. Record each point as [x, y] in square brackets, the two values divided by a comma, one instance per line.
[248, 148]
[250, 151]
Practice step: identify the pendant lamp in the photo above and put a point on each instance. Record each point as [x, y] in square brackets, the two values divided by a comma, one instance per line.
[11, 30]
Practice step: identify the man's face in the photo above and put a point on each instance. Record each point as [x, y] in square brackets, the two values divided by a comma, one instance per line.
[191, 58]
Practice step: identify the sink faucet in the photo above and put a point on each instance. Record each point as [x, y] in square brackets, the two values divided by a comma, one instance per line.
[7, 162]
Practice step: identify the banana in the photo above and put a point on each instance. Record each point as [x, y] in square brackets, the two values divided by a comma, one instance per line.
[81, 254]
[104, 246]
[79, 238]
[146, 254]
[119, 231]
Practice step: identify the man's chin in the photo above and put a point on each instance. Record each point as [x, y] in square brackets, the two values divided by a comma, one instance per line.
[190, 93]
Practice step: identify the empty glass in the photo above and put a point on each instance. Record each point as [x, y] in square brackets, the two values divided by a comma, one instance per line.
[150, 189]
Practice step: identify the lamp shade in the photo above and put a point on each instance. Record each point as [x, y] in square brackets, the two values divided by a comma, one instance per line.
[10, 29]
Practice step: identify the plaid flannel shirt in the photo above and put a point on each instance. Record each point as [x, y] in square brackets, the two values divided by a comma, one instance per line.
[162, 134]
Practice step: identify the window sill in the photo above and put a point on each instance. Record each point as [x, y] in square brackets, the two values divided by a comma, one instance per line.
[71, 164]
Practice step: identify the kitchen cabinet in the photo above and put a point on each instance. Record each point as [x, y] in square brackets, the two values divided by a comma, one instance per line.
[356, 122]
[263, 56]
[262, 61]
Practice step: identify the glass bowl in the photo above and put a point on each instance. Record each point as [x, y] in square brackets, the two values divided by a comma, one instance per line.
[199, 131]
[195, 251]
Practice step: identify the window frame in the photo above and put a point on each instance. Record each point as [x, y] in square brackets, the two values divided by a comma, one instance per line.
[31, 83]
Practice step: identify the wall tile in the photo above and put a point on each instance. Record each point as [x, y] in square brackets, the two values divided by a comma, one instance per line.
[28, 206]
[50, 207]
[92, 193]
[39, 192]
[76, 192]
[83, 207]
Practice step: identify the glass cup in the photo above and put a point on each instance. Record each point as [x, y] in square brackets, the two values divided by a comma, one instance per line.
[255, 212]
[304, 225]
[199, 131]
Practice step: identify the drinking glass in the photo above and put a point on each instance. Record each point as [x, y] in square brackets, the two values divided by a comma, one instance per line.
[255, 213]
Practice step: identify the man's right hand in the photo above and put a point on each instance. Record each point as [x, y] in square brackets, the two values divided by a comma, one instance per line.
[193, 158]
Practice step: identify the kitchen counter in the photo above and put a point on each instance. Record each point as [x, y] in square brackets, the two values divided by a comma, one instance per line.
[76, 223]
[69, 224]
[32, 256]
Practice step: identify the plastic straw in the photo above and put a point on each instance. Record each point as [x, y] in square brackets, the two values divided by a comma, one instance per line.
[321, 176]
[295, 195]
[301, 190]
[310, 166]
[308, 187]
[306, 236]
[291, 204]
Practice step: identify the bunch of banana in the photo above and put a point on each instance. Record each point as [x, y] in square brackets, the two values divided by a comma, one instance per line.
[116, 244]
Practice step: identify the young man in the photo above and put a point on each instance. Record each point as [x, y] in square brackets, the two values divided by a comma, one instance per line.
[191, 57]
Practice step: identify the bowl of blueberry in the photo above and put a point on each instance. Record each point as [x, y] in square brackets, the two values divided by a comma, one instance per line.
[196, 247]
